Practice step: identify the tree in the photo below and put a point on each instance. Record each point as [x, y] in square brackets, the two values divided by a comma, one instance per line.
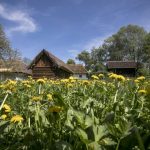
[14, 61]
[70, 61]
[146, 47]
[98, 59]
[9, 57]
[126, 44]
[130, 43]
[27, 60]
[146, 50]
[94, 61]
[5, 48]
[85, 57]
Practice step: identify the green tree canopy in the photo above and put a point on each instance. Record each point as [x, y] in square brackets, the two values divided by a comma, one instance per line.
[131, 42]
[94, 60]
[126, 44]
[85, 57]
[146, 50]
[70, 61]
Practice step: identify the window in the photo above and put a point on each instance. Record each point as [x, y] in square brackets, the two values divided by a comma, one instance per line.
[80, 75]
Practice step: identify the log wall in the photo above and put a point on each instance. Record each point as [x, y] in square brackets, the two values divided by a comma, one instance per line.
[46, 68]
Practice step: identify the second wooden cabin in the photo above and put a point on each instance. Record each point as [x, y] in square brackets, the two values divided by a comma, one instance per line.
[126, 68]
[45, 64]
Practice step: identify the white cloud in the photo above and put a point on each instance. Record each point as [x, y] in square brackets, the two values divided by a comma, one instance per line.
[96, 42]
[25, 22]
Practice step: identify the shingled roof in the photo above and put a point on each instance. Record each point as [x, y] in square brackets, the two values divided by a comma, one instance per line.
[54, 59]
[23, 68]
[17, 66]
[121, 64]
[77, 68]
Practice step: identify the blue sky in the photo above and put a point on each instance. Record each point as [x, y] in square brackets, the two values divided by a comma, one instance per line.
[66, 27]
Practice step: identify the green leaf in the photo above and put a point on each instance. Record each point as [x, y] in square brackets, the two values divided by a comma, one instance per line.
[94, 146]
[88, 121]
[69, 124]
[43, 118]
[107, 141]
[69, 118]
[99, 132]
[87, 102]
[3, 126]
[82, 134]
[59, 99]
[62, 145]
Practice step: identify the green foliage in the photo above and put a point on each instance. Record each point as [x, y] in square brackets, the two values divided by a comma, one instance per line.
[93, 61]
[144, 71]
[85, 57]
[72, 114]
[126, 44]
[70, 61]
[130, 43]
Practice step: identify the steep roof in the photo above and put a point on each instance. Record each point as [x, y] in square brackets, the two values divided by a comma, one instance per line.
[54, 59]
[23, 68]
[77, 68]
[15, 66]
[121, 64]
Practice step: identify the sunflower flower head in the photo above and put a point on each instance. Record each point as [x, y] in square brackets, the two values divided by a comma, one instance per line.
[69, 85]
[136, 81]
[41, 81]
[27, 85]
[120, 78]
[36, 98]
[86, 82]
[4, 116]
[95, 77]
[143, 92]
[117, 77]
[49, 97]
[6, 108]
[16, 118]
[101, 75]
[71, 78]
[141, 78]
[113, 76]
[55, 109]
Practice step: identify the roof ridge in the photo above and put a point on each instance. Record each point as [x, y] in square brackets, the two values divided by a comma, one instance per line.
[55, 59]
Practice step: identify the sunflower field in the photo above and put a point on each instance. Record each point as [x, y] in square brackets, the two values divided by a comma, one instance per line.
[108, 112]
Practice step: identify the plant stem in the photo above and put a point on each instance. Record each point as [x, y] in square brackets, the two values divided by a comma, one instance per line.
[29, 122]
[115, 96]
[115, 99]
[3, 101]
[117, 148]
[139, 138]
[40, 88]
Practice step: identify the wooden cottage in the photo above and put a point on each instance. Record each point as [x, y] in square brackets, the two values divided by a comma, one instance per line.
[14, 73]
[47, 65]
[6, 73]
[126, 68]
[79, 71]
